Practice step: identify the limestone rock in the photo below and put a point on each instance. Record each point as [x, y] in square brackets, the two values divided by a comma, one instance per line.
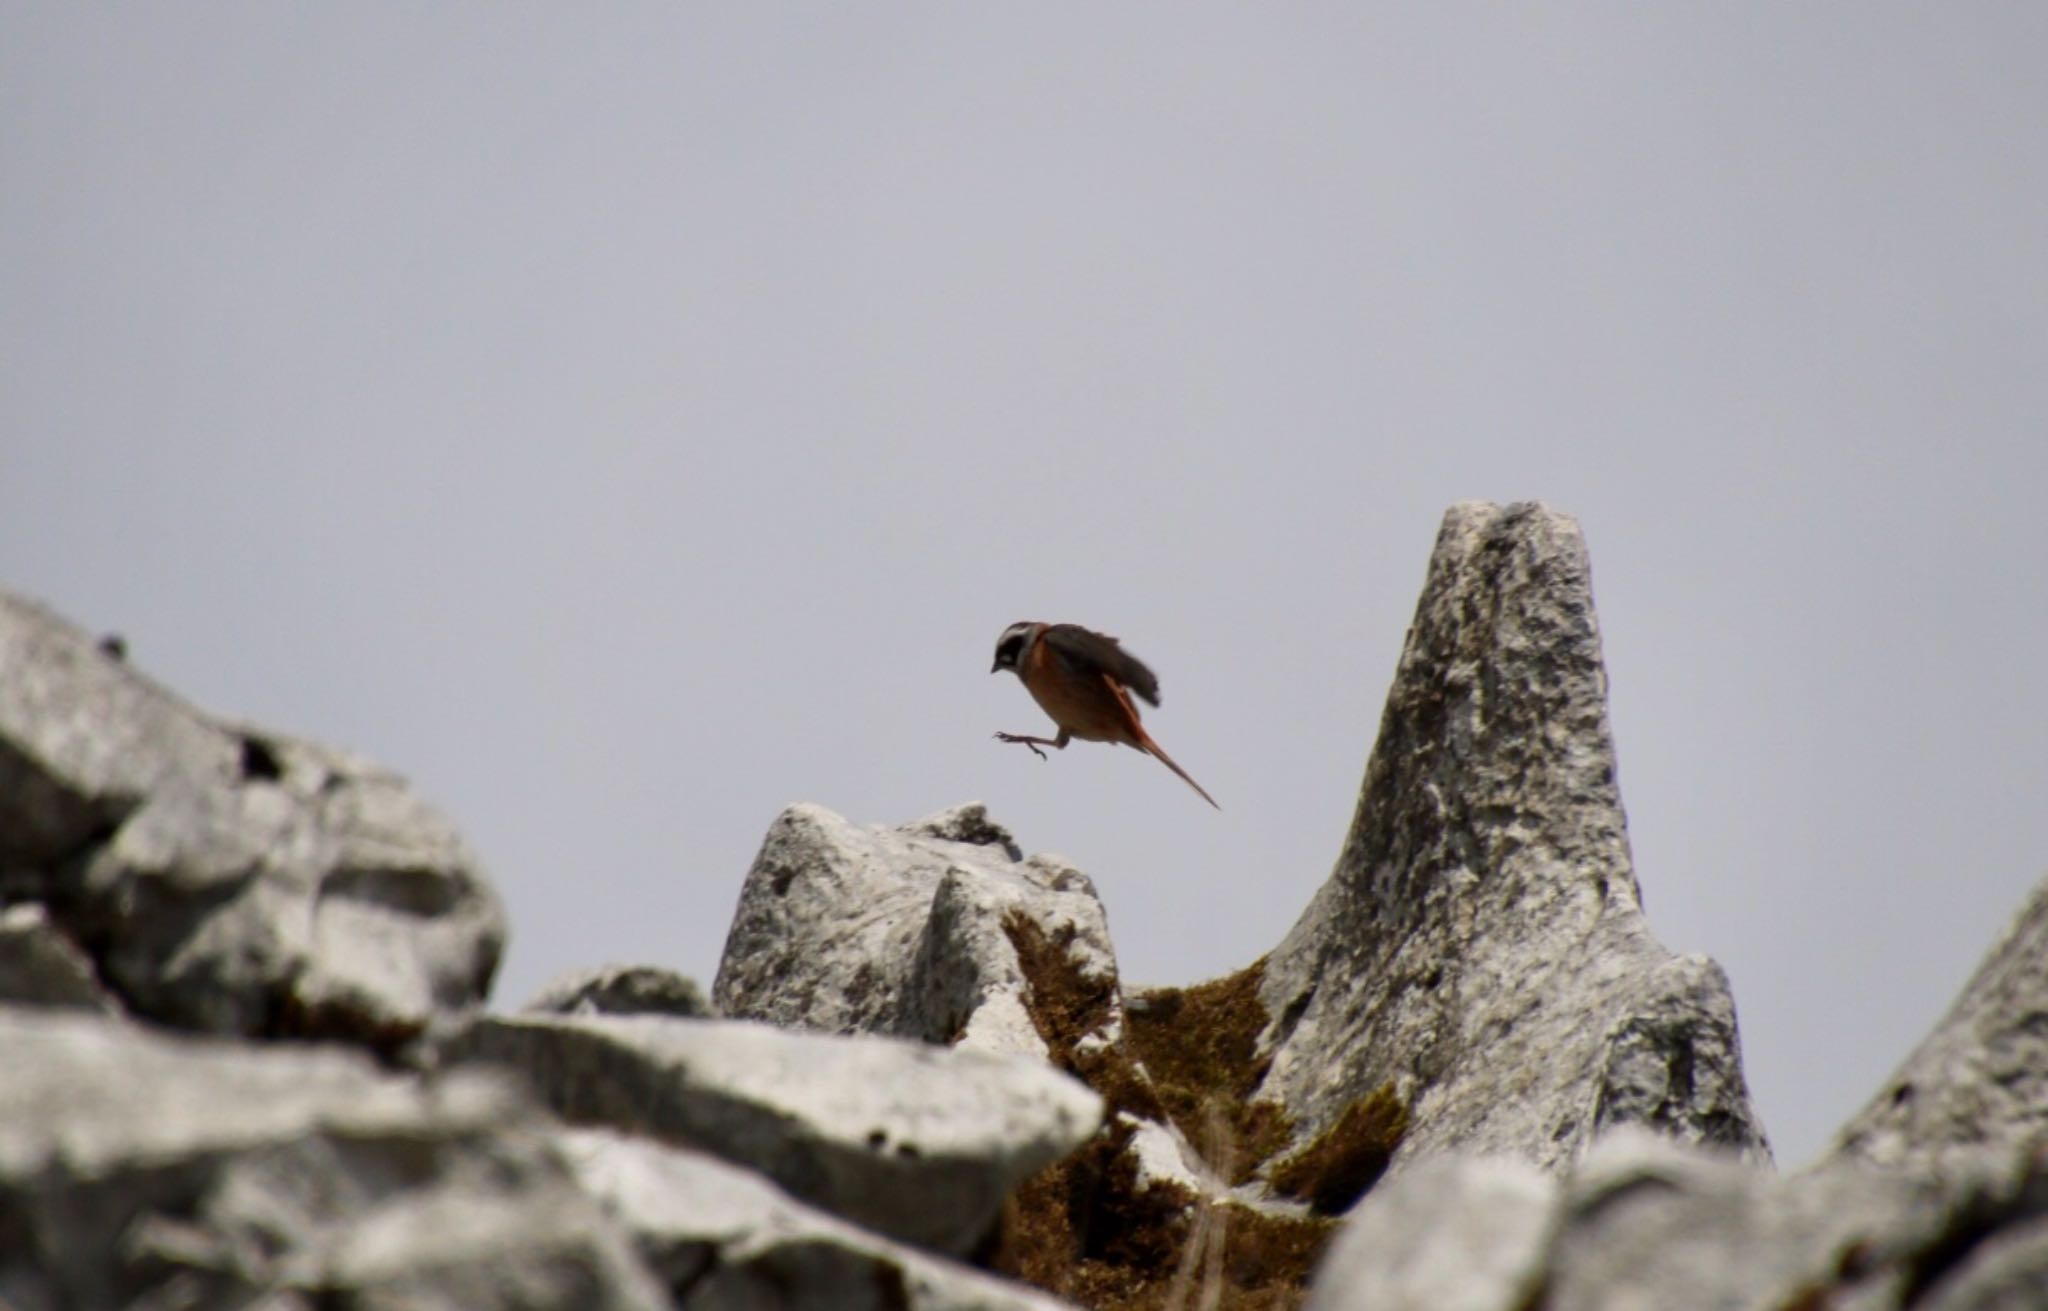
[1479, 951]
[1979, 1082]
[1454, 1234]
[921, 1143]
[222, 878]
[622, 990]
[1646, 1222]
[41, 966]
[141, 1169]
[720, 1236]
[913, 931]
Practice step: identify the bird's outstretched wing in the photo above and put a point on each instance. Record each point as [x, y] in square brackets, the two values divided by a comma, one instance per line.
[1083, 649]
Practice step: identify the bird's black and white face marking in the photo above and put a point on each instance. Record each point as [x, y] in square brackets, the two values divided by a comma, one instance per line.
[1010, 647]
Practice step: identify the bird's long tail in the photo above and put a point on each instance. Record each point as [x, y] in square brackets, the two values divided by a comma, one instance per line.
[1146, 744]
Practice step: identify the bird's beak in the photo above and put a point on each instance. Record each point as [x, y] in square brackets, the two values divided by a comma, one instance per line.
[996, 666]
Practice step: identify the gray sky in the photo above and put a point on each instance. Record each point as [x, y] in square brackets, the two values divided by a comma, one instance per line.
[627, 421]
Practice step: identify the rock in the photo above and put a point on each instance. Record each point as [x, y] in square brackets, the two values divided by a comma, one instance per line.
[720, 1236]
[141, 1169]
[1647, 1222]
[225, 879]
[1979, 1082]
[622, 990]
[914, 932]
[921, 1143]
[1454, 1234]
[943, 930]
[1479, 957]
[40, 966]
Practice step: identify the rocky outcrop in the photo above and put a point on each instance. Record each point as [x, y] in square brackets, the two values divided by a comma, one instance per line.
[719, 1236]
[1479, 954]
[222, 878]
[1470, 1061]
[1979, 1083]
[1648, 1222]
[915, 1141]
[140, 1169]
[913, 931]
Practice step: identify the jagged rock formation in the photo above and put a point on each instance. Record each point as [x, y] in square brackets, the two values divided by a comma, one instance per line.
[891, 1096]
[1480, 948]
[221, 878]
[1979, 1083]
[910, 931]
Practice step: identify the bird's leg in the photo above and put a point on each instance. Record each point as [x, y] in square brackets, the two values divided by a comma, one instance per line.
[1056, 743]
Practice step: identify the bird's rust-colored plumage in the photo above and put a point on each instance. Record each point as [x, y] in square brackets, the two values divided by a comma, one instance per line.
[1084, 680]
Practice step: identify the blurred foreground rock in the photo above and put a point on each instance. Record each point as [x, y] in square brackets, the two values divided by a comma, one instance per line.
[918, 1142]
[143, 1169]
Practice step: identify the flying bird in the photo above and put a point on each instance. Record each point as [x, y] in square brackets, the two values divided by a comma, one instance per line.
[1084, 680]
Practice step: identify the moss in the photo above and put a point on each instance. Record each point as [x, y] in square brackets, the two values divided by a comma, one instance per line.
[1084, 1230]
[1344, 1160]
[1200, 1047]
[1067, 1005]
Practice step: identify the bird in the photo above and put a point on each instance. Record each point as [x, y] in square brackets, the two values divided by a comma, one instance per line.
[1084, 680]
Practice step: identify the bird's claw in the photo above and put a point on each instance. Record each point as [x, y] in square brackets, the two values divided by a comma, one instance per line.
[1033, 746]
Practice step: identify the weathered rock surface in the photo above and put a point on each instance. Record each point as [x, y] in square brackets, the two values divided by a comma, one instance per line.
[1479, 949]
[720, 1236]
[41, 966]
[622, 990]
[139, 1169]
[1979, 1082]
[1647, 1222]
[1454, 1234]
[225, 879]
[910, 931]
[919, 1142]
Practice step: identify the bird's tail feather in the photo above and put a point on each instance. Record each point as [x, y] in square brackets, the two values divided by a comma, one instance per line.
[1145, 743]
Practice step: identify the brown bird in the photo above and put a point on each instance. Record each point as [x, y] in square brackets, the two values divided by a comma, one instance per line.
[1084, 680]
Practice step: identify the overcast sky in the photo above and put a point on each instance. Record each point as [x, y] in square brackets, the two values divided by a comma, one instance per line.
[629, 420]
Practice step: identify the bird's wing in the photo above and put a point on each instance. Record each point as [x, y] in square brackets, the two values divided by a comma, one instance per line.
[1083, 649]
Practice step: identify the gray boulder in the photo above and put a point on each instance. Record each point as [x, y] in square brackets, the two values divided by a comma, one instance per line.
[221, 878]
[719, 1236]
[1644, 1221]
[1479, 955]
[621, 990]
[921, 1143]
[1978, 1084]
[926, 931]
[142, 1169]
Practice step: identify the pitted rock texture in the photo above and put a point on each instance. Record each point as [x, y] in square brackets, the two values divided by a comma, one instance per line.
[919, 1142]
[1643, 1221]
[222, 878]
[139, 1169]
[1480, 948]
[909, 931]
[1979, 1082]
